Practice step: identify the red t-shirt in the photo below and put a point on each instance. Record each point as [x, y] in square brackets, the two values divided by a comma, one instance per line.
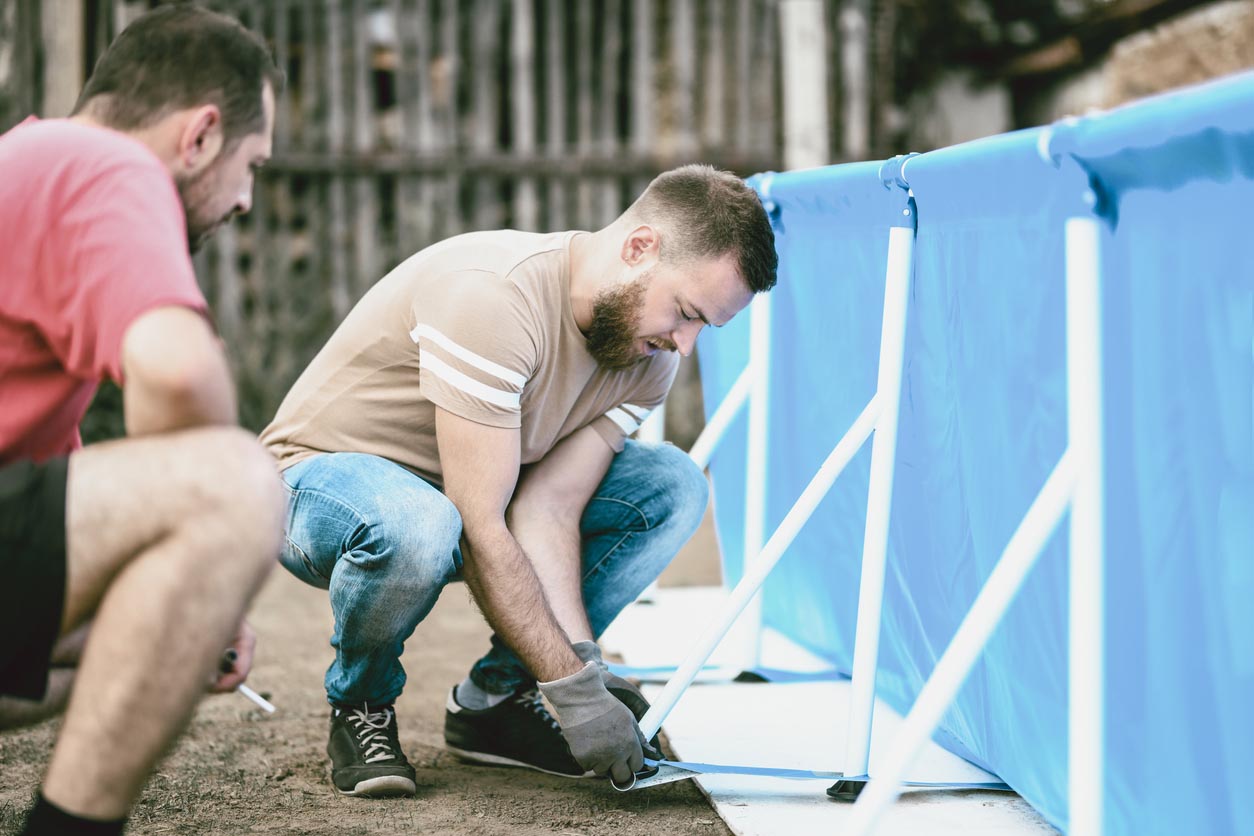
[92, 234]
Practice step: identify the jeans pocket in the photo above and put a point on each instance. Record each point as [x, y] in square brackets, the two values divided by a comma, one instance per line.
[295, 560]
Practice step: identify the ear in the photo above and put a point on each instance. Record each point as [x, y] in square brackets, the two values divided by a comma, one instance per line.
[201, 139]
[641, 245]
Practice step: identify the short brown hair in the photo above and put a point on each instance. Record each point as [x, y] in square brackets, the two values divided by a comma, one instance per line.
[180, 56]
[703, 213]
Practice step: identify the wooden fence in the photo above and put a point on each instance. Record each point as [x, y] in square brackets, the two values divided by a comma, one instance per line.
[407, 121]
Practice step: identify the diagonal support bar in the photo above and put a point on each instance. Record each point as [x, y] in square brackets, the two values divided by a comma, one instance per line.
[964, 649]
[756, 573]
[703, 448]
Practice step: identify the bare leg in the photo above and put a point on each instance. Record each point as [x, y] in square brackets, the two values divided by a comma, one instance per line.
[169, 538]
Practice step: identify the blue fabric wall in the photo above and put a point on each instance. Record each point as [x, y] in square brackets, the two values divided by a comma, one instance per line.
[984, 420]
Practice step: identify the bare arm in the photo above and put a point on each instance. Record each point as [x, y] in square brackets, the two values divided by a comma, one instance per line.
[544, 517]
[176, 375]
[480, 467]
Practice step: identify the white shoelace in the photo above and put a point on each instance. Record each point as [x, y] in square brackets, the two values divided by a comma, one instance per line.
[531, 699]
[372, 730]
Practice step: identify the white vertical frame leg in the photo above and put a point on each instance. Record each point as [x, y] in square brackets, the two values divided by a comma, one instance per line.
[756, 468]
[879, 499]
[1086, 752]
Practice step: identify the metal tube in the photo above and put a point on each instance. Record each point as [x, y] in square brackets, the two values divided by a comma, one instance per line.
[1084, 428]
[756, 464]
[879, 499]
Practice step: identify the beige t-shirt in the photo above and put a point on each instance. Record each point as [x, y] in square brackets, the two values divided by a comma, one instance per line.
[480, 325]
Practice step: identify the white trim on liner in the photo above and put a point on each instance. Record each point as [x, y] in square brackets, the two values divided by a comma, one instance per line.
[624, 420]
[451, 376]
[462, 353]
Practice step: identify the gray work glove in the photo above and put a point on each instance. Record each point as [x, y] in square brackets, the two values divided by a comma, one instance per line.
[601, 733]
[628, 694]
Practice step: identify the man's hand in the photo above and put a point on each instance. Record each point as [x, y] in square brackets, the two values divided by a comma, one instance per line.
[243, 644]
[626, 693]
[600, 730]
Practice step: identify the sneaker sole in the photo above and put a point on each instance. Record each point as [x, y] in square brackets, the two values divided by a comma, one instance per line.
[385, 786]
[497, 760]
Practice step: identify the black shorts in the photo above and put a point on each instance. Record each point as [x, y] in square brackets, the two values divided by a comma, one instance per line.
[32, 568]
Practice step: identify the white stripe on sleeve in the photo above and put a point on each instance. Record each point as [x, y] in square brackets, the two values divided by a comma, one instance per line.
[510, 376]
[451, 376]
[625, 422]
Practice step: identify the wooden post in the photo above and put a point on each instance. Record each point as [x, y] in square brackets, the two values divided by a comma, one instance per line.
[366, 221]
[62, 25]
[523, 110]
[487, 47]
[642, 97]
[555, 96]
[342, 297]
[684, 54]
[855, 53]
[585, 105]
[608, 146]
[803, 50]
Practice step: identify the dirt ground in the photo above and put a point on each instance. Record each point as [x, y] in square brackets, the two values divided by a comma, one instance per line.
[237, 771]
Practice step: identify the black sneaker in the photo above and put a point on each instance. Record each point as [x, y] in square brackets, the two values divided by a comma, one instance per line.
[366, 756]
[519, 731]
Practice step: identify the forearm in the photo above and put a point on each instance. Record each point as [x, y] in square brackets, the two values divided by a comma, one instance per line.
[508, 591]
[551, 542]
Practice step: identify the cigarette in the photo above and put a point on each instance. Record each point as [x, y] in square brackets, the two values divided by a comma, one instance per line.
[261, 701]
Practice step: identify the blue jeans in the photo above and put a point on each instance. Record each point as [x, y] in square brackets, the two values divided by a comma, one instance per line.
[384, 543]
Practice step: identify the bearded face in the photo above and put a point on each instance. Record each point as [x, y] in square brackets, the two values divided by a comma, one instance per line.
[611, 339]
[207, 205]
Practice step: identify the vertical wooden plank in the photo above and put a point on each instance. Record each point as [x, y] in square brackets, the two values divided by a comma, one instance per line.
[523, 111]
[450, 202]
[803, 54]
[744, 67]
[555, 93]
[766, 105]
[611, 53]
[714, 121]
[366, 221]
[414, 95]
[643, 137]
[585, 145]
[884, 99]
[856, 93]
[62, 37]
[487, 50]
[281, 283]
[282, 38]
[337, 123]
[684, 46]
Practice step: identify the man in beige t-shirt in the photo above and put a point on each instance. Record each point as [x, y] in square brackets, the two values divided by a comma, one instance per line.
[470, 419]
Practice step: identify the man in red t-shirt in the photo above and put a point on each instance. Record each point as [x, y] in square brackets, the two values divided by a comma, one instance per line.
[157, 542]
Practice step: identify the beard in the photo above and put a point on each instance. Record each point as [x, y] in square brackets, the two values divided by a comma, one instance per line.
[196, 194]
[611, 337]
